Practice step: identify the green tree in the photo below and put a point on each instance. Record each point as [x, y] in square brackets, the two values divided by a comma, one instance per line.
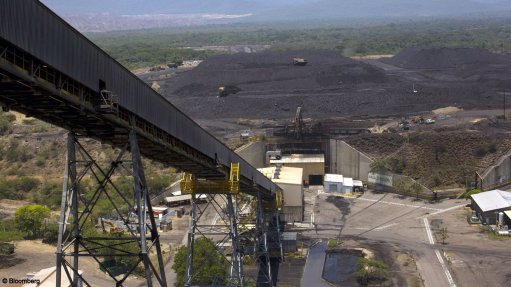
[208, 265]
[29, 219]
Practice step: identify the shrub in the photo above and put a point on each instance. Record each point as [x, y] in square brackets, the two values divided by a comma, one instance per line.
[370, 271]
[332, 243]
[397, 165]
[5, 123]
[6, 248]
[378, 166]
[49, 194]
[209, 266]
[50, 233]
[29, 219]
[9, 232]
[17, 153]
[17, 188]
[157, 183]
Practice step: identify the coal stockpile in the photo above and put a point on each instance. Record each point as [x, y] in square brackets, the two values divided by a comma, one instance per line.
[471, 66]
[268, 85]
[274, 72]
[446, 58]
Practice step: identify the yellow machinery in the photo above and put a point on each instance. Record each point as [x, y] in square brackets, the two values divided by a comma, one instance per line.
[230, 186]
[222, 92]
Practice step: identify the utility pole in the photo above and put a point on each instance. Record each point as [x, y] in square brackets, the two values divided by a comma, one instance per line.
[505, 104]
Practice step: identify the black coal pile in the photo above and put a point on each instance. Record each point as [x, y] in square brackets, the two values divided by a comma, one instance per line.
[446, 58]
[269, 86]
[273, 72]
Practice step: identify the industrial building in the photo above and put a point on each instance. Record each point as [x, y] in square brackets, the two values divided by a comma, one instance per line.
[339, 183]
[507, 218]
[487, 205]
[290, 180]
[313, 166]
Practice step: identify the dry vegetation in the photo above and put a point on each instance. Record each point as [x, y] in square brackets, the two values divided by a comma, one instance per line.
[436, 159]
[32, 157]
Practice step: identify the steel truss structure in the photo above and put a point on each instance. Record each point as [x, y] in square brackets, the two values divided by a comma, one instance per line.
[218, 219]
[222, 229]
[133, 207]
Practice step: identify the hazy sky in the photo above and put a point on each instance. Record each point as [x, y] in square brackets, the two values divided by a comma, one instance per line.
[283, 9]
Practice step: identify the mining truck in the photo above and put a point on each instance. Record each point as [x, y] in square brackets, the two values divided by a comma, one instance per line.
[224, 91]
[299, 62]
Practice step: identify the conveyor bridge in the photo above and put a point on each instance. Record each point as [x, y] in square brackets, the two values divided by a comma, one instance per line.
[50, 71]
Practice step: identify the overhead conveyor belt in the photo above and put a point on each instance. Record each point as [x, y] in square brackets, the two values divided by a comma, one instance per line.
[50, 71]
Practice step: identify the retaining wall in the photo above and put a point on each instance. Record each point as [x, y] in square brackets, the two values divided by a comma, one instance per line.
[346, 160]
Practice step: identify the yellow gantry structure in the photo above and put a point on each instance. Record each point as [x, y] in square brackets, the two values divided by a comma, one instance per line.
[189, 185]
[230, 186]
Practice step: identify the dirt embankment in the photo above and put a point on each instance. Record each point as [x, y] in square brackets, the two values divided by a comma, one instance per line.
[436, 159]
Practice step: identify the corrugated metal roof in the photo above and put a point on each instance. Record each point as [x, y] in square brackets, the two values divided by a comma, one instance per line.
[358, 183]
[300, 158]
[492, 200]
[508, 213]
[291, 175]
[330, 177]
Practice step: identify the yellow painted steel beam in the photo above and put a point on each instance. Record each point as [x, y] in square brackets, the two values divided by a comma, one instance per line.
[230, 186]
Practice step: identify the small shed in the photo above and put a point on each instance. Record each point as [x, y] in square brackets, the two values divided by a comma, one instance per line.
[333, 183]
[347, 185]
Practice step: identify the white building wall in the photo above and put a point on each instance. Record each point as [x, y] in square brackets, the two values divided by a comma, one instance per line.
[329, 186]
[293, 194]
